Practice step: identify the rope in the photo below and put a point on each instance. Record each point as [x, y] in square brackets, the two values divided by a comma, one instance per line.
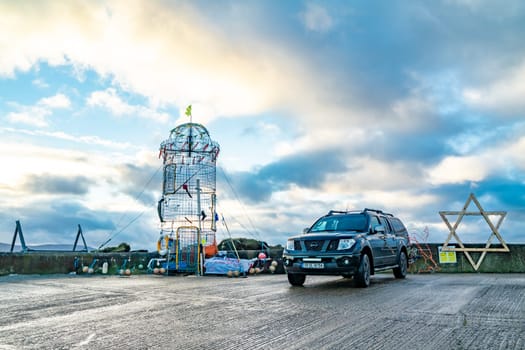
[114, 233]
[256, 233]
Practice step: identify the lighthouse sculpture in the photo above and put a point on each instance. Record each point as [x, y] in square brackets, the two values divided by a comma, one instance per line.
[187, 209]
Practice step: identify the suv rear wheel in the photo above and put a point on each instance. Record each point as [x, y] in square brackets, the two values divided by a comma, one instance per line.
[296, 279]
[362, 278]
[401, 270]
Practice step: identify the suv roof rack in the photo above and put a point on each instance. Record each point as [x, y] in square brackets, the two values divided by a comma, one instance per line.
[377, 211]
[332, 212]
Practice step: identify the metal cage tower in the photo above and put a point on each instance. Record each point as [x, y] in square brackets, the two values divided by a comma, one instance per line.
[187, 209]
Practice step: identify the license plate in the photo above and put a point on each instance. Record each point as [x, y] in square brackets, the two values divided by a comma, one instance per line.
[313, 265]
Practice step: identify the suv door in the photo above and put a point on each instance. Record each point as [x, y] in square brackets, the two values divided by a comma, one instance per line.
[377, 241]
[390, 243]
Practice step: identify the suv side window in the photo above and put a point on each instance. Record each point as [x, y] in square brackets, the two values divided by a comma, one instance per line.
[374, 221]
[398, 226]
[386, 224]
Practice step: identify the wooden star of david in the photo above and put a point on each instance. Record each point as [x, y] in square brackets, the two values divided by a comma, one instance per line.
[493, 228]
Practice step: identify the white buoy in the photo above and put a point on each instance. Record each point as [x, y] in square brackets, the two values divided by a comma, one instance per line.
[85, 269]
[105, 268]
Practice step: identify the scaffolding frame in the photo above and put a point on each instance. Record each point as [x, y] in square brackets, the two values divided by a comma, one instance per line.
[189, 158]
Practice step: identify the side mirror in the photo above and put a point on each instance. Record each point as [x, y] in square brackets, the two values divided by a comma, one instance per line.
[305, 230]
[379, 229]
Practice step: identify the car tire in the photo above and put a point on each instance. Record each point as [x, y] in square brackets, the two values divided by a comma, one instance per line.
[362, 278]
[402, 265]
[296, 279]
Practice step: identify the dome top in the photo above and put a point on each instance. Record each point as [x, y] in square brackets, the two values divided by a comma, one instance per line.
[190, 137]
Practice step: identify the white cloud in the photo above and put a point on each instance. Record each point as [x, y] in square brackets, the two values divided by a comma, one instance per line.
[109, 99]
[37, 115]
[84, 139]
[40, 83]
[472, 168]
[34, 116]
[316, 18]
[55, 102]
[167, 53]
[504, 95]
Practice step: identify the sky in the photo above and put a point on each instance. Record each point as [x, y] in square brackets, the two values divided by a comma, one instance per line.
[404, 106]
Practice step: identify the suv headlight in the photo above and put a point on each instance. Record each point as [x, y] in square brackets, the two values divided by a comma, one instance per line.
[345, 243]
[290, 245]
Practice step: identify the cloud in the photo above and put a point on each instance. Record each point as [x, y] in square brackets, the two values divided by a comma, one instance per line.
[82, 139]
[402, 106]
[37, 115]
[303, 170]
[56, 185]
[504, 94]
[316, 18]
[109, 99]
[141, 182]
[56, 101]
[507, 157]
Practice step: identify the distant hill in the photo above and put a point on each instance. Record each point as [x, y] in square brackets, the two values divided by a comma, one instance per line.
[5, 247]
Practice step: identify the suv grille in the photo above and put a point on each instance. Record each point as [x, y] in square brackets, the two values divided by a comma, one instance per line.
[314, 245]
[333, 245]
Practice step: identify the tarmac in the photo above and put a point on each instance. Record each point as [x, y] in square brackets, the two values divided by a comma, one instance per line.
[425, 311]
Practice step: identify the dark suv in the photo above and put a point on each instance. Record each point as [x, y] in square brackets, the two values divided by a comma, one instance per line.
[348, 243]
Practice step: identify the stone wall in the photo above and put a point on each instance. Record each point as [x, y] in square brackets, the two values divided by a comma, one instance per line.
[66, 262]
[426, 259]
[494, 262]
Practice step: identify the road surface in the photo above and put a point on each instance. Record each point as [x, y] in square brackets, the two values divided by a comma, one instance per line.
[435, 311]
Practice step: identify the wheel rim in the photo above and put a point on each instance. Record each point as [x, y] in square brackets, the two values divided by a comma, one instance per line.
[403, 263]
[366, 267]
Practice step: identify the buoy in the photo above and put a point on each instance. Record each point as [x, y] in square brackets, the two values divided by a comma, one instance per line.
[251, 271]
[141, 266]
[127, 272]
[261, 256]
[229, 273]
[85, 269]
[105, 268]
[90, 270]
[120, 272]
[272, 268]
[156, 271]
[162, 270]
[236, 273]
[257, 270]
[275, 263]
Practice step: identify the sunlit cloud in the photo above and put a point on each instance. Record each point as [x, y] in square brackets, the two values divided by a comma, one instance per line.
[37, 115]
[316, 18]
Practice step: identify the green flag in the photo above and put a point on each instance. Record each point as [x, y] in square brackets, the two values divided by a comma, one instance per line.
[188, 111]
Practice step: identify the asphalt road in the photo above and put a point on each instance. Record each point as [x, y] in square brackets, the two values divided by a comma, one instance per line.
[437, 311]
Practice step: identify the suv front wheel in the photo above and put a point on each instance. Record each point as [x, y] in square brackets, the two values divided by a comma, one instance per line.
[362, 278]
[296, 279]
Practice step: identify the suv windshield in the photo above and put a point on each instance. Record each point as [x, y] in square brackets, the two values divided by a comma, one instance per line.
[354, 222]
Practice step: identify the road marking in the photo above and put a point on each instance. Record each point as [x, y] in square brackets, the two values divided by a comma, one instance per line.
[87, 340]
